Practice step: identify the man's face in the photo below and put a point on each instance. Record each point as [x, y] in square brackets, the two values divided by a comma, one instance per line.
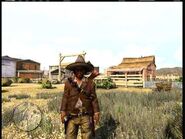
[79, 72]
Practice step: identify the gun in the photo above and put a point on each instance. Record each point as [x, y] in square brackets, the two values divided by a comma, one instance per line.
[66, 120]
[93, 127]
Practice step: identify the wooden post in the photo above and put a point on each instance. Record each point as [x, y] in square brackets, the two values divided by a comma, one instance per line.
[59, 68]
[125, 79]
[144, 78]
[50, 73]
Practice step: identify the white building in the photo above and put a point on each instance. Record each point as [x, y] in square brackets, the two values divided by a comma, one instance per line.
[8, 66]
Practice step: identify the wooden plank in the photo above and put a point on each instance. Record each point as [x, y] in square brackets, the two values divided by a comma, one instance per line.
[127, 75]
[135, 78]
[134, 85]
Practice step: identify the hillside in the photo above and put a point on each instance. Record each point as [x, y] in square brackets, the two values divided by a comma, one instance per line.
[165, 71]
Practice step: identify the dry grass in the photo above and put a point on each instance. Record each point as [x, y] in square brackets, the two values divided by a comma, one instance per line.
[28, 89]
[135, 113]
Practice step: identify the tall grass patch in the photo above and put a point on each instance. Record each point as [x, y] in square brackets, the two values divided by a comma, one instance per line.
[134, 115]
[19, 96]
[47, 95]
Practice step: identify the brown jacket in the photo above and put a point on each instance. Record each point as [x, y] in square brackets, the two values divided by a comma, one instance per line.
[71, 95]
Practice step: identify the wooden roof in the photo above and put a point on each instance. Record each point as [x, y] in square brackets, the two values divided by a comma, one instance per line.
[134, 64]
[29, 61]
[139, 59]
[18, 59]
[10, 58]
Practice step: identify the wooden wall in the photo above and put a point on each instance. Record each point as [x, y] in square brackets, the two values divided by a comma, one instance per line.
[8, 68]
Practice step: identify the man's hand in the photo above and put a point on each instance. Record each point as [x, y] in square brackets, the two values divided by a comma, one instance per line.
[63, 114]
[94, 74]
[96, 117]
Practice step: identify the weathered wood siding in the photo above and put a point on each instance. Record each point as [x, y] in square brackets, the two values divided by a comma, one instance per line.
[30, 75]
[27, 66]
[8, 68]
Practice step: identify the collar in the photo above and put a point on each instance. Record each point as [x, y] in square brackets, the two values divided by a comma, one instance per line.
[80, 83]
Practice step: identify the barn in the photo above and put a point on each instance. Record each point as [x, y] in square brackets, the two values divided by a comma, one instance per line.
[133, 71]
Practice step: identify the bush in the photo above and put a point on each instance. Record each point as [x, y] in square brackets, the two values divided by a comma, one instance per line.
[24, 80]
[6, 82]
[47, 95]
[106, 84]
[6, 100]
[19, 96]
[179, 80]
[46, 84]
[15, 79]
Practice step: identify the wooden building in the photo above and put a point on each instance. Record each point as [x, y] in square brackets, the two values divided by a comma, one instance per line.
[8, 66]
[133, 71]
[54, 70]
[14, 67]
[28, 69]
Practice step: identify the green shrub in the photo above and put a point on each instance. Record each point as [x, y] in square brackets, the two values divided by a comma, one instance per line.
[6, 82]
[15, 79]
[6, 100]
[39, 81]
[106, 84]
[24, 80]
[180, 79]
[3, 91]
[46, 84]
[19, 96]
[46, 95]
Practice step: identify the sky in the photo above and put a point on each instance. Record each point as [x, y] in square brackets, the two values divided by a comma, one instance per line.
[106, 31]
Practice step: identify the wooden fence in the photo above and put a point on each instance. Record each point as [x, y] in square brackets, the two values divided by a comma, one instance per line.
[134, 80]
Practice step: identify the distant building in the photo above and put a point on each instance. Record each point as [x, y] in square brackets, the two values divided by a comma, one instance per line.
[14, 67]
[133, 71]
[28, 69]
[141, 65]
[53, 71]
[8, 66]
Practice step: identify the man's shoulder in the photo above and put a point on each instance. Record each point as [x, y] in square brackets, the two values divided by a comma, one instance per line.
[67, 81]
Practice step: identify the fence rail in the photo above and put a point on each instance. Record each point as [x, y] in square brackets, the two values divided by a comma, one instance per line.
[134, 80]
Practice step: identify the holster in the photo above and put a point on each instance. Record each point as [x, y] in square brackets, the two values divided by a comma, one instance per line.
[66, 121]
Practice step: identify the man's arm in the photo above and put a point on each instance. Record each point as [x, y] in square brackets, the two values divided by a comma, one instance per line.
[95, 105]
[64, 101]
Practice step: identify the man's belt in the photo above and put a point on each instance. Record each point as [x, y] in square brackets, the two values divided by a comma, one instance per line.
[79, 114]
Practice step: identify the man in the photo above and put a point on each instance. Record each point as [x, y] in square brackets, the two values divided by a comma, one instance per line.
[80, 101]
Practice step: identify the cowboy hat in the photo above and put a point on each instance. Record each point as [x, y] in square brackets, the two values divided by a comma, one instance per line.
[80, 62]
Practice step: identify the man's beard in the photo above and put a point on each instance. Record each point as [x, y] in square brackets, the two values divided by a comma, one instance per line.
[79, 76]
